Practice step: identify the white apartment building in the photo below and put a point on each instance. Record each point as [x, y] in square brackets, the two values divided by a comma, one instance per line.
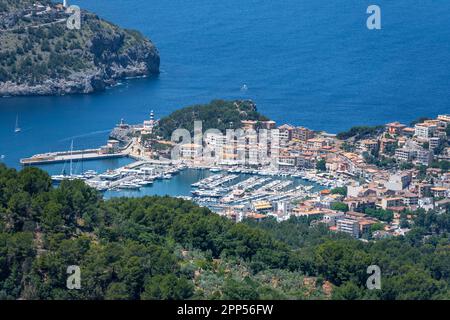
[398, 182]
[434, 142]
[190, 151]
[424, 157]
[425, 130]
[410, 199]
[405, 154]
[331, 218]
[349, 226]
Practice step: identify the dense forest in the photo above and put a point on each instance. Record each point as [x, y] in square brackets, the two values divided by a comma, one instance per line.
[167, 248]
[218, 114]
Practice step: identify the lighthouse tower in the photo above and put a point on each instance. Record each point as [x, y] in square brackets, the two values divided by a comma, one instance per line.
[149, 124]
[152, 117]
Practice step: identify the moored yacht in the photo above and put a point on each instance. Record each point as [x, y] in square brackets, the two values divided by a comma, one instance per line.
[62, 177]
[129, 185]
[144, 182]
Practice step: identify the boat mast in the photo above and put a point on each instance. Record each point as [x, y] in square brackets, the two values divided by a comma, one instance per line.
[71, 153]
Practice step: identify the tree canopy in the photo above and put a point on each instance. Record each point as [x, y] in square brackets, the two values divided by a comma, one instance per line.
[218, 114]
[168, 248]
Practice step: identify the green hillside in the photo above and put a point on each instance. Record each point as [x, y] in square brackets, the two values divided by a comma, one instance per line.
[40, 55]
[166, 248]
[218, 114]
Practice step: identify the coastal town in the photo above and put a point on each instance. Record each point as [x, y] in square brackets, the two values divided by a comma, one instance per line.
[224, 151]
[367, 182]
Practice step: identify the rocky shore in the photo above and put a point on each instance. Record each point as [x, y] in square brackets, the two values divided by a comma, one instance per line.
[53, 60]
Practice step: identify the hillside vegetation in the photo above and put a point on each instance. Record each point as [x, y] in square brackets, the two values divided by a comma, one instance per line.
[40, 55]
[218, 114]
[361, 132]
[166, 248]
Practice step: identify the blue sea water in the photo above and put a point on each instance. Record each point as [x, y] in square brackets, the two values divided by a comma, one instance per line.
[305, 62]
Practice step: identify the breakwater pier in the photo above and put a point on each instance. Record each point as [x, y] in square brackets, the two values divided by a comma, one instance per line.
[60, 157]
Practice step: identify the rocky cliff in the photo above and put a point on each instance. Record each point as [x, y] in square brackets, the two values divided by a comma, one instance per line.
[40, 55]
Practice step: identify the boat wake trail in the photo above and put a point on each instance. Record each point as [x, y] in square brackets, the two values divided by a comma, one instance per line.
[84, 135]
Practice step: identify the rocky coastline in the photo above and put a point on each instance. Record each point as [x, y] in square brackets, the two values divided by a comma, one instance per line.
[63, 61]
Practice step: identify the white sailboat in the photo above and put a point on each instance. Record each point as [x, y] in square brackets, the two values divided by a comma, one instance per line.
[17, 128]
[71, 176]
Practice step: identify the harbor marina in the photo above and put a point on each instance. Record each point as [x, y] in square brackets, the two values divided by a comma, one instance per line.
[217, 191]
[220, 188]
